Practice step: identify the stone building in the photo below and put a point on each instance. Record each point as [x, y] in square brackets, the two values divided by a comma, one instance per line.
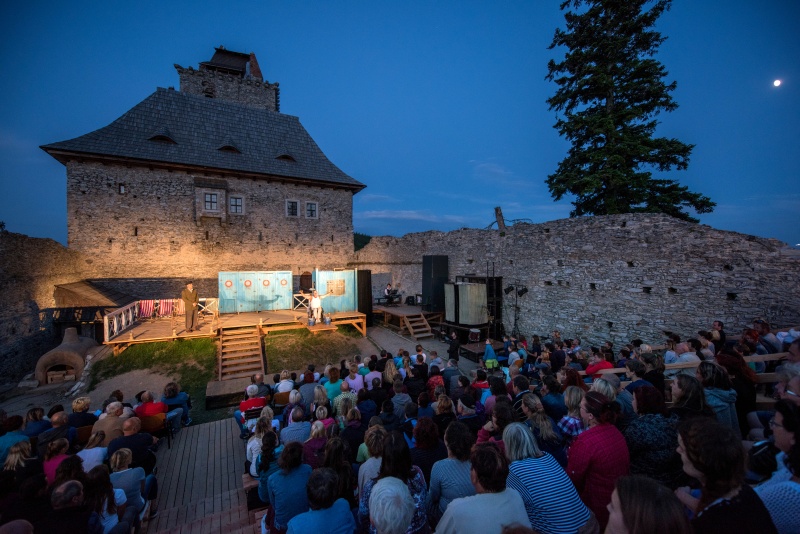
[208, 178]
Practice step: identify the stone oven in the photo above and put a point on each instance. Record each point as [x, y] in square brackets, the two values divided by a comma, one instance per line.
[65, 362]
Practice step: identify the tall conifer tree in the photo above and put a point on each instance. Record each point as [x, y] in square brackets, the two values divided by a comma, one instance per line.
[610, 90]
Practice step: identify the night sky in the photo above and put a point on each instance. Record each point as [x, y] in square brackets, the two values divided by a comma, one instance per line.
[438, 107]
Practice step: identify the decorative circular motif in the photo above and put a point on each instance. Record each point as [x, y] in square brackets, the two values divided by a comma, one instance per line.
[248, 283]
[284, 282]
[228, 283]
[266, 283]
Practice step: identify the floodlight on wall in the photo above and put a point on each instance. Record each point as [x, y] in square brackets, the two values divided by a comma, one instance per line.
[508, 290]
[522, 291]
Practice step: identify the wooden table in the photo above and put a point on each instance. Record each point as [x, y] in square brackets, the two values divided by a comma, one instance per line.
[473, 351]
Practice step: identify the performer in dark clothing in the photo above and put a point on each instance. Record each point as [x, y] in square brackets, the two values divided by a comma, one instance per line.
[190, 301]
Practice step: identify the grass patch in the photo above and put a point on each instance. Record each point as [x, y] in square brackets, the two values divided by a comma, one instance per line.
[295, 349]
[192, 361]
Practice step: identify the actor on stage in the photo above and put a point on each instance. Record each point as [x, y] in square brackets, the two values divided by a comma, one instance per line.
[190, 301]
[315, 304]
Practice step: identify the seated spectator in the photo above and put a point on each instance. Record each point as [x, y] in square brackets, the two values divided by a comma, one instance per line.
[428, 448]
[492, 431]
[654, 370]
[150, 407]
[551, 502]
[743, 382]
[324, 417]
[599, 456]
[13, 434]
[35, 423]
[571, 425]
[378, 393]
[328, 513]
[434, 380]
[60, 429]
[334, 383]
[396, 462]
[688, 398]
[307, 389]
[719, 393]
[111, 425]
[469, 514]
[266, 463]
[22, 462]
[353, 433]
[609, 386]
[400, 400]
[287, 489]
[636, 371]
[69, 514]
[137, 442]
[336, 452]
[445, 413]
[781, 493]
[415, 383]
[424, 408]
[548, 436]
[320, 399]
[366, 406]
[552, 399]
[712, 453]
[55, 454]
[354, 379]
[138, 487]
[497, 388]
[314, 446]
[371, 375]
[252, 401]
[598, 363]
[373, 441]
[127, 408]
[298, 430]
[310, 375]
[450, 477]
[253, 448]
[286, 384]
[263, 389]
[391, 506]
[467, 414]
[652, 439]
[174, 398]
[107, 502]
[519, 387]
[640, 504]
[81, 416]
[93, 453]
[345, 394]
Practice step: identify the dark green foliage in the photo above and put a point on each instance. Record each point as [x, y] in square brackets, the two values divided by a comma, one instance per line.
[360, 240]
[610, 89]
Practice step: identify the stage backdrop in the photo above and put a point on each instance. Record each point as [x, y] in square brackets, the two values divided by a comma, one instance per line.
[342, 284]
[255, 291]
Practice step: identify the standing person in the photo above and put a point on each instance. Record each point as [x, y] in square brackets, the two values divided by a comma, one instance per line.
[453, 346]
[190, 300]
[599, 456]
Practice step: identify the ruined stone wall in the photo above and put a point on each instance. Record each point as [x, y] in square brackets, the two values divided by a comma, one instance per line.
[613, 277]
[250, 92]
[150, 223]
[30, 268]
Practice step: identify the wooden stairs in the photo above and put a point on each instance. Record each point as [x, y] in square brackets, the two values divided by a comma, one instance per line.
[225, 513]
[416, 326]
[240, 354]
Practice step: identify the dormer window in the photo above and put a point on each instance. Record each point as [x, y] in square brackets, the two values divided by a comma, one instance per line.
[229, 148]
[285, 157]
[163, 139]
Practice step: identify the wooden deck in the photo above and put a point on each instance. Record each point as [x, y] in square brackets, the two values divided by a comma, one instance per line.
[393, 315]
[170, 329]
[200, 482]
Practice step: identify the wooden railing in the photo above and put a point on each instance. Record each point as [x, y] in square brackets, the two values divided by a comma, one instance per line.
[119, 320]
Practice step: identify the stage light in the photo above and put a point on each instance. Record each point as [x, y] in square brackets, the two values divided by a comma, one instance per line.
[508, 290]
[522, 291]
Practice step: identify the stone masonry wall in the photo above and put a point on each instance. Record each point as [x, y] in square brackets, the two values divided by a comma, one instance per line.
[30, 268]
[157, 228]
[250, 92]
[613, 277]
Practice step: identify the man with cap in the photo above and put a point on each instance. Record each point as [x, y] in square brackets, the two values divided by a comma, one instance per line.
[190, 300]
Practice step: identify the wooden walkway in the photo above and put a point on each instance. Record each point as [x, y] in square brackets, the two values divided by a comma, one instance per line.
[200, 482]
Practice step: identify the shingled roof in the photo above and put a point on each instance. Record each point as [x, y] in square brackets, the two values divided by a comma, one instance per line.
[171, 127]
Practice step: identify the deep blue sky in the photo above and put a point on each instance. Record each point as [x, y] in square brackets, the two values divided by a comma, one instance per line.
[439, 107]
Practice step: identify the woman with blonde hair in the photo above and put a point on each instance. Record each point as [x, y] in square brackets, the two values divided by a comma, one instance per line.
[286, 384]
[133, 481]
[354, 379]
[35, 423]
[93, 454]
[263, 425]
[445, 413]
[20, 459]
[322, 415]
[571, 425]
[314, 446]
[544, 429]
[320, 399]
[390, 372]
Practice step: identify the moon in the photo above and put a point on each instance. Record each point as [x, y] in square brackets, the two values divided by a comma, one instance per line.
[776, 83]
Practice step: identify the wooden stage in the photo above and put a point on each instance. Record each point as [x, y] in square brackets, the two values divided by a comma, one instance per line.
[169, 328]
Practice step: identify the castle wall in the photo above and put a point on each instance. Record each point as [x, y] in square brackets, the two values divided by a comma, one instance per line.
[613, 277]
[30, 268]
[250, 92]
[158, 228]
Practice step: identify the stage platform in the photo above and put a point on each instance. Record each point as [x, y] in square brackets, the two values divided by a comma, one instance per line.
[411, 320]
[172, 328]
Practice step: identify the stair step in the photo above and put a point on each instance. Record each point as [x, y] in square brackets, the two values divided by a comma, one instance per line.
[241, 348]
[240, 365]
[224, 521]
[241, 355]
[237, 340]
[238, 374]
[171, 519]
[228, 362]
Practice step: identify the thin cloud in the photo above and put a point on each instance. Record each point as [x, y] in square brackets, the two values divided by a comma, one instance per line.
[367, 198]
[410, 215]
